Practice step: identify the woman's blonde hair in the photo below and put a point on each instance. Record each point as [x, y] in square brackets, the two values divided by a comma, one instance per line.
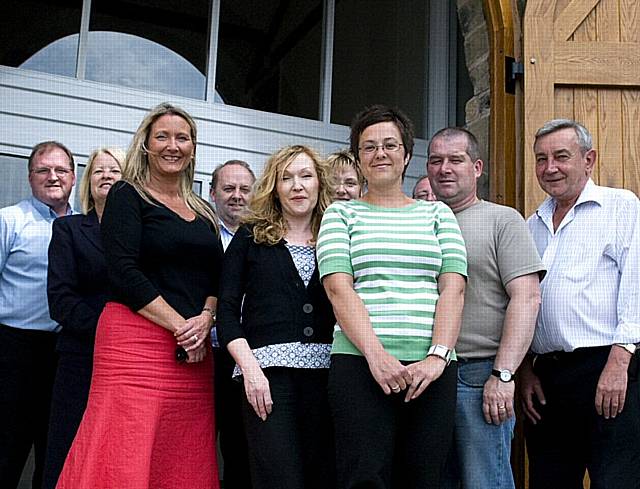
[136, 170]
[86, 199]
[346, 159]
[265, 210]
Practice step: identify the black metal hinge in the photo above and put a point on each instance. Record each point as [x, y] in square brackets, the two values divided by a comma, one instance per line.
[512, 71]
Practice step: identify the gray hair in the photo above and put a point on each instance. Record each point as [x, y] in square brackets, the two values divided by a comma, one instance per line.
[582, 134]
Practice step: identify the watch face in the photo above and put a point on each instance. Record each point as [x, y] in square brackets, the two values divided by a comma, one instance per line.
[505, 376]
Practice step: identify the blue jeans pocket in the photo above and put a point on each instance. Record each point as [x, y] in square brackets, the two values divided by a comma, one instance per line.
[474, 374]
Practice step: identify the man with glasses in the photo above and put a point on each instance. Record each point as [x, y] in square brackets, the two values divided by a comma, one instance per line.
[27, 333]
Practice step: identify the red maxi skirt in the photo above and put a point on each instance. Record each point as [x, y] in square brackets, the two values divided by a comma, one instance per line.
[149, 420]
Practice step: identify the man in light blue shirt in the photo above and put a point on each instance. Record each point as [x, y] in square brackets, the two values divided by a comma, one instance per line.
[231, 188]
[580, 386]
[27, 333]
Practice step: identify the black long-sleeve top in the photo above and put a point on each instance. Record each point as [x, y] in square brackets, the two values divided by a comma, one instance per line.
[151, 251]
[76, 280]
[264, 300]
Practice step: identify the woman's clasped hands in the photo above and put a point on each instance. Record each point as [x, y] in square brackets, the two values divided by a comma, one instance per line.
[193, 334]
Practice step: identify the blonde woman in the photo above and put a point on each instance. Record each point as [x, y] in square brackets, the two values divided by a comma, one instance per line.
[348, 179]
[76, 299]
[276, 322]
[149, 421]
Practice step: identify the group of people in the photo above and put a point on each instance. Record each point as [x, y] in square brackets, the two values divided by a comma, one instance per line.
[349, 335]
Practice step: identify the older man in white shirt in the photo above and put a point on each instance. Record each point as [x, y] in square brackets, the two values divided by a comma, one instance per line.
[579, 386]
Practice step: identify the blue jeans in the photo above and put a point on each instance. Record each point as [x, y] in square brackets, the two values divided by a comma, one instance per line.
[480, 453]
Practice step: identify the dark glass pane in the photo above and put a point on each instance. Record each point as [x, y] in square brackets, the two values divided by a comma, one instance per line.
[269, 55]
[40, 36]
[380, 57]
[159, 46]
[14, 185]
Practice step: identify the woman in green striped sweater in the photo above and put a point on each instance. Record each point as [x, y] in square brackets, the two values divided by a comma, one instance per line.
[394, 270]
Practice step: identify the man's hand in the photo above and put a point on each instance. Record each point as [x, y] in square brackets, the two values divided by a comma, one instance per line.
[530, 387]
[497, 400]
[612, 385]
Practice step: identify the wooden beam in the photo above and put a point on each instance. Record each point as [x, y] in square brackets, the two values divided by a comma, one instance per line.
[538, 86]
[502, 123]
[597, 63]
[571, 17]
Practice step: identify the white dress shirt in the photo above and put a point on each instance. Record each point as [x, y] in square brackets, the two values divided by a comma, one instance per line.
[590, 295]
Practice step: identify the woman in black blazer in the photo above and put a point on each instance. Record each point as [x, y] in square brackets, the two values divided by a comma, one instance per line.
[77, 292]
[277, 323]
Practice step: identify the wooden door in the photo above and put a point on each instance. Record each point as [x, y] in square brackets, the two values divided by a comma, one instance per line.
[582, 62]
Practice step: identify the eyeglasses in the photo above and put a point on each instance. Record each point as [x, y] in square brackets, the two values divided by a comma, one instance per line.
[388, 147]
[59, 171]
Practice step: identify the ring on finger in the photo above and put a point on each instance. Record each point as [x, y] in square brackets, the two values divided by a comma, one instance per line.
[195, 338]
[502, 408]
[395, 388]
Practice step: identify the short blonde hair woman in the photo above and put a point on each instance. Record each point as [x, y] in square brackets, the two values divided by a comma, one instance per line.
[87, 201]
[281, 346]
[348, 179]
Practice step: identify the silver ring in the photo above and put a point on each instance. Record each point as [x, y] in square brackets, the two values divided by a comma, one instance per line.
[396, 388]
[502, 408]
[195, 338]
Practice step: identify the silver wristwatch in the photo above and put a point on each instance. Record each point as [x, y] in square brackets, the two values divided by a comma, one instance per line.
[440, 351]
[630, 347]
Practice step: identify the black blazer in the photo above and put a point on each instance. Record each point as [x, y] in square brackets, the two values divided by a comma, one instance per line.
[263, 299]
[76, 280]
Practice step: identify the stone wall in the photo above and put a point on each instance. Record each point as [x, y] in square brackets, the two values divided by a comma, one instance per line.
[473, 27]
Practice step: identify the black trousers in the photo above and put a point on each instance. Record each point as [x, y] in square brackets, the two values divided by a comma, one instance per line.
[383, 442]
[233, 441]
[27, 369]
[69, 400]
[293, 448]
[572, 437]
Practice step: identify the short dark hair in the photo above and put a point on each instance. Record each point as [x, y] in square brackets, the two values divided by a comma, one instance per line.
[473, 149]
[45, 147]
[381, 113]
[216, 172]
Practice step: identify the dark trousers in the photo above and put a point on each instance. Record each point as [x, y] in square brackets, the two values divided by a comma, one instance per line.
[233, 442]
[69, 400]
[27, 369]
[293, 448]
[572, 437]
[383, 442]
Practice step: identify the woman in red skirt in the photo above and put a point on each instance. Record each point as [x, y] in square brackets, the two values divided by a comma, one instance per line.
[149, 419]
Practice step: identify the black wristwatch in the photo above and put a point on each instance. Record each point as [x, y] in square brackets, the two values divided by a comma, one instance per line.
[505, 375]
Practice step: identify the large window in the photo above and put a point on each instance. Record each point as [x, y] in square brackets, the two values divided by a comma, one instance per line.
[28, 26]
[315, 59]
[269, 55]
[160, 45]
[380, 57]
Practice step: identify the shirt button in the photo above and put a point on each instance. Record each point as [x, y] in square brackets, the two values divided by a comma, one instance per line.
[308, 331]
[308, 308]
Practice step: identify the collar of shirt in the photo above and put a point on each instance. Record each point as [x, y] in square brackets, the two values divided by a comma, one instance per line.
[47, 212]
[226, 235]
[590, 193]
